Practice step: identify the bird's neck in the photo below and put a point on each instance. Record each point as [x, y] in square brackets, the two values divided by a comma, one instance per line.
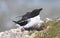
[38, 16]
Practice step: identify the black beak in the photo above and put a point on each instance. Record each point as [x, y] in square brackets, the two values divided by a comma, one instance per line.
[40, 9]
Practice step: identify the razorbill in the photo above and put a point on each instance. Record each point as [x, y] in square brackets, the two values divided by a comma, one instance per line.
[30, 20]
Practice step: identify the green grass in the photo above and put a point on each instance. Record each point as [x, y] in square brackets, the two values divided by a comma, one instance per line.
[54, 31]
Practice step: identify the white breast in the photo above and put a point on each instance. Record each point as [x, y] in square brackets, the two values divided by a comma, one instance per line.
[36, 19]
[33, 21]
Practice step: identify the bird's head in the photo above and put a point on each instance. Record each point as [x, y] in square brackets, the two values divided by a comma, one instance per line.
[36, 12]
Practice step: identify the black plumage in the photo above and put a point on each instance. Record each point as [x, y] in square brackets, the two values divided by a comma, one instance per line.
[28, 15]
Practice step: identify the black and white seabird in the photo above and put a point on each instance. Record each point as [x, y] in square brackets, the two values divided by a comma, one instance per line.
[30, 20]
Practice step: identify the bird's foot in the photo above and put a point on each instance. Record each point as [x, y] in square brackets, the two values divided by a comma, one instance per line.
[21, 28]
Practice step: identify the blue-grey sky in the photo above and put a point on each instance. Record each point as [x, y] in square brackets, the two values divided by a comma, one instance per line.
[12, 8]
[38, 2]
[29, 3]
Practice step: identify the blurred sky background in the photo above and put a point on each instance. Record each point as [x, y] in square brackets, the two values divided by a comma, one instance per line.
[13, 8]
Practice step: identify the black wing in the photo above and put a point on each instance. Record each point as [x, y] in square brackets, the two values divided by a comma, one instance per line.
[24, 20]
[21, 23]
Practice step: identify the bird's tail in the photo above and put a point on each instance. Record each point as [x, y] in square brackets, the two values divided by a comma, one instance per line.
[16, 22]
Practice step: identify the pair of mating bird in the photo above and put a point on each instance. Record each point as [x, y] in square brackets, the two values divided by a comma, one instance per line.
[30, 20]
